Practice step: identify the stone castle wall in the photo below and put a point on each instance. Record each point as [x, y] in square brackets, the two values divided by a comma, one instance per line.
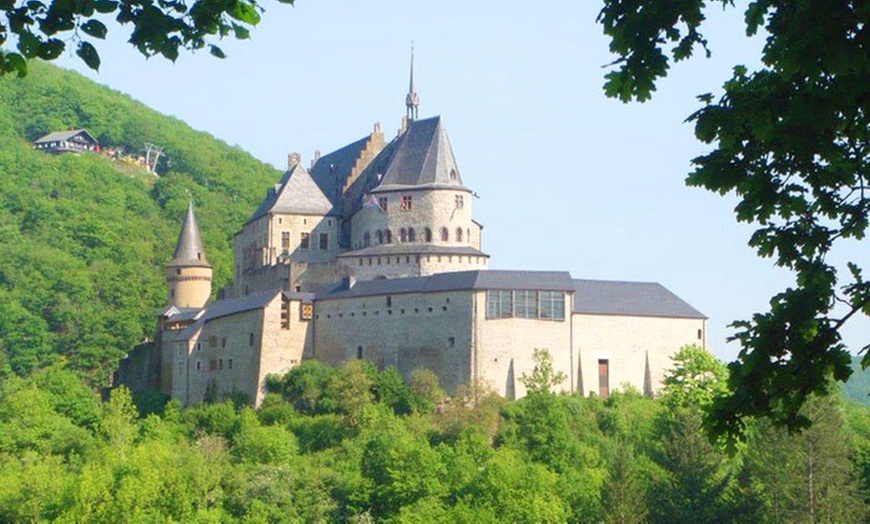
[406, 331]
[504, 348]
[432, 208]
[624, 342]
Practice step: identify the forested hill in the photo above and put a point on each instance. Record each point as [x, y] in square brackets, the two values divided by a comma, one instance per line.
[83, 238]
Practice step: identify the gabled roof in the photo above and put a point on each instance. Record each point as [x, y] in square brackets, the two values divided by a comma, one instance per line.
[644, 299]
[60, 136]
[296, 193]
[422, 158]
[188, 250]
[456, 281]
[225, 308]
[330, 171]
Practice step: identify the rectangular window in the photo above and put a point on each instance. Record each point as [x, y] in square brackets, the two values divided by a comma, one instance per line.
[285, 240]
[230, 363]
[526, 304]
[303, 243]
[406, 203]
[324, 241]
[460, 201]
[552, 305]
[221, 364]
[603, 378]
[250, 339]
[499, 303]
[383, 203]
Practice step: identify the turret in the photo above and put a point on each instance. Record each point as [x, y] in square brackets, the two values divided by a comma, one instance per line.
[188, 274]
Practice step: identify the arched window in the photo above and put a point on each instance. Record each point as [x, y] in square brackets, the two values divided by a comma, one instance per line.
[445, 236]
[379, 236]
[459, 234]
[388, 236]
[468, 234]
[427, 235]
[403, 235]
[367, 239]
[412, 235]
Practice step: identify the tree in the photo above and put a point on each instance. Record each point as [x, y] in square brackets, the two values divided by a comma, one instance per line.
[696, 378]
[158, 28]
[792, 141]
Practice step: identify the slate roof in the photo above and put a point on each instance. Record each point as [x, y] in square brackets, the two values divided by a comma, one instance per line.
[60, 136]
[413, 248]
[460, 280]
[296, 193]
[331, 170]
[644, 299]
[422, 158]
[224, 308]
[177, 314]
[188, 250]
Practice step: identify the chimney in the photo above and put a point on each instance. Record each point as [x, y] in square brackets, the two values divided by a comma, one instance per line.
[316, 158]
[349, 281]
[293, 160]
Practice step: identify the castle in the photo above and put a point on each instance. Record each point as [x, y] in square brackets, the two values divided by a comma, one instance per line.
[373, 253]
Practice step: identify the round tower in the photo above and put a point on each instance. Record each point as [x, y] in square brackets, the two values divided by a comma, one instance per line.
[188, 274]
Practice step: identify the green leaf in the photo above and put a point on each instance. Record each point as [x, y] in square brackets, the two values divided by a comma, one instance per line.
[88, 53]
[28, 44]
[245, 12]
[51, 49]
[105, 6]
[16, 62]
[95, 28]
[241, 32]
[216, 51]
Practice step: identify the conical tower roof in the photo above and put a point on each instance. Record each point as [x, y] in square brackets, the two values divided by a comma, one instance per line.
[422, 157]
[188, 250]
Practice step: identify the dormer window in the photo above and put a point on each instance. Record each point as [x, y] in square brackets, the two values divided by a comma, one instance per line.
[453, 174]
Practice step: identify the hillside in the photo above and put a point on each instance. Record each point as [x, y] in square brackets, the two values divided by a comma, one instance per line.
[85, 240]
[857, 388]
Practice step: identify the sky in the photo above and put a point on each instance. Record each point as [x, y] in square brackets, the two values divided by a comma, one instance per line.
[567, 178]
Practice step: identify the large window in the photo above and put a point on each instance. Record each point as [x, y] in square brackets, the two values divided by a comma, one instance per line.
[324, 241]
[552, 304]
[406, 203]
[545, 305]
[303, 241]
[526, 304]
[499, 304]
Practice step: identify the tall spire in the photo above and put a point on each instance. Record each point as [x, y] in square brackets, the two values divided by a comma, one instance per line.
[412, 100]
[188, 250]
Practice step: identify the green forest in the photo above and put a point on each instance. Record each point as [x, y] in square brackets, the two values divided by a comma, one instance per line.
[356, 445]
[84, 238]
[84, 243]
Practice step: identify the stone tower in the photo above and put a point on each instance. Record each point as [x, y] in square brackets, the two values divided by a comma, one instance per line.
[188, 274]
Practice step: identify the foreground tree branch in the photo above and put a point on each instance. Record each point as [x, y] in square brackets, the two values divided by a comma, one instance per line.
[792, 141]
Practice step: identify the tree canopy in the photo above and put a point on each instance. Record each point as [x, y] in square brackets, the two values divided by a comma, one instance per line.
[792, 140]
[44, 29]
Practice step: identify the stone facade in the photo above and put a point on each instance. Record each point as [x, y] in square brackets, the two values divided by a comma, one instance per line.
[373, 253]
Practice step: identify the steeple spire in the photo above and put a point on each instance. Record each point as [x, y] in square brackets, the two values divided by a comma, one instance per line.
[188, 250]
[188, 274]
[412, 101]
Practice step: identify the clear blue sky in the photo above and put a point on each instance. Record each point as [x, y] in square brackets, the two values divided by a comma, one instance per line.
[568, 179]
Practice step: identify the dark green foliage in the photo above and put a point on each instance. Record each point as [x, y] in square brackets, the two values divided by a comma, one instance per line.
[85, 238]
[44, 30]
[790, 140]
[630, 459]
